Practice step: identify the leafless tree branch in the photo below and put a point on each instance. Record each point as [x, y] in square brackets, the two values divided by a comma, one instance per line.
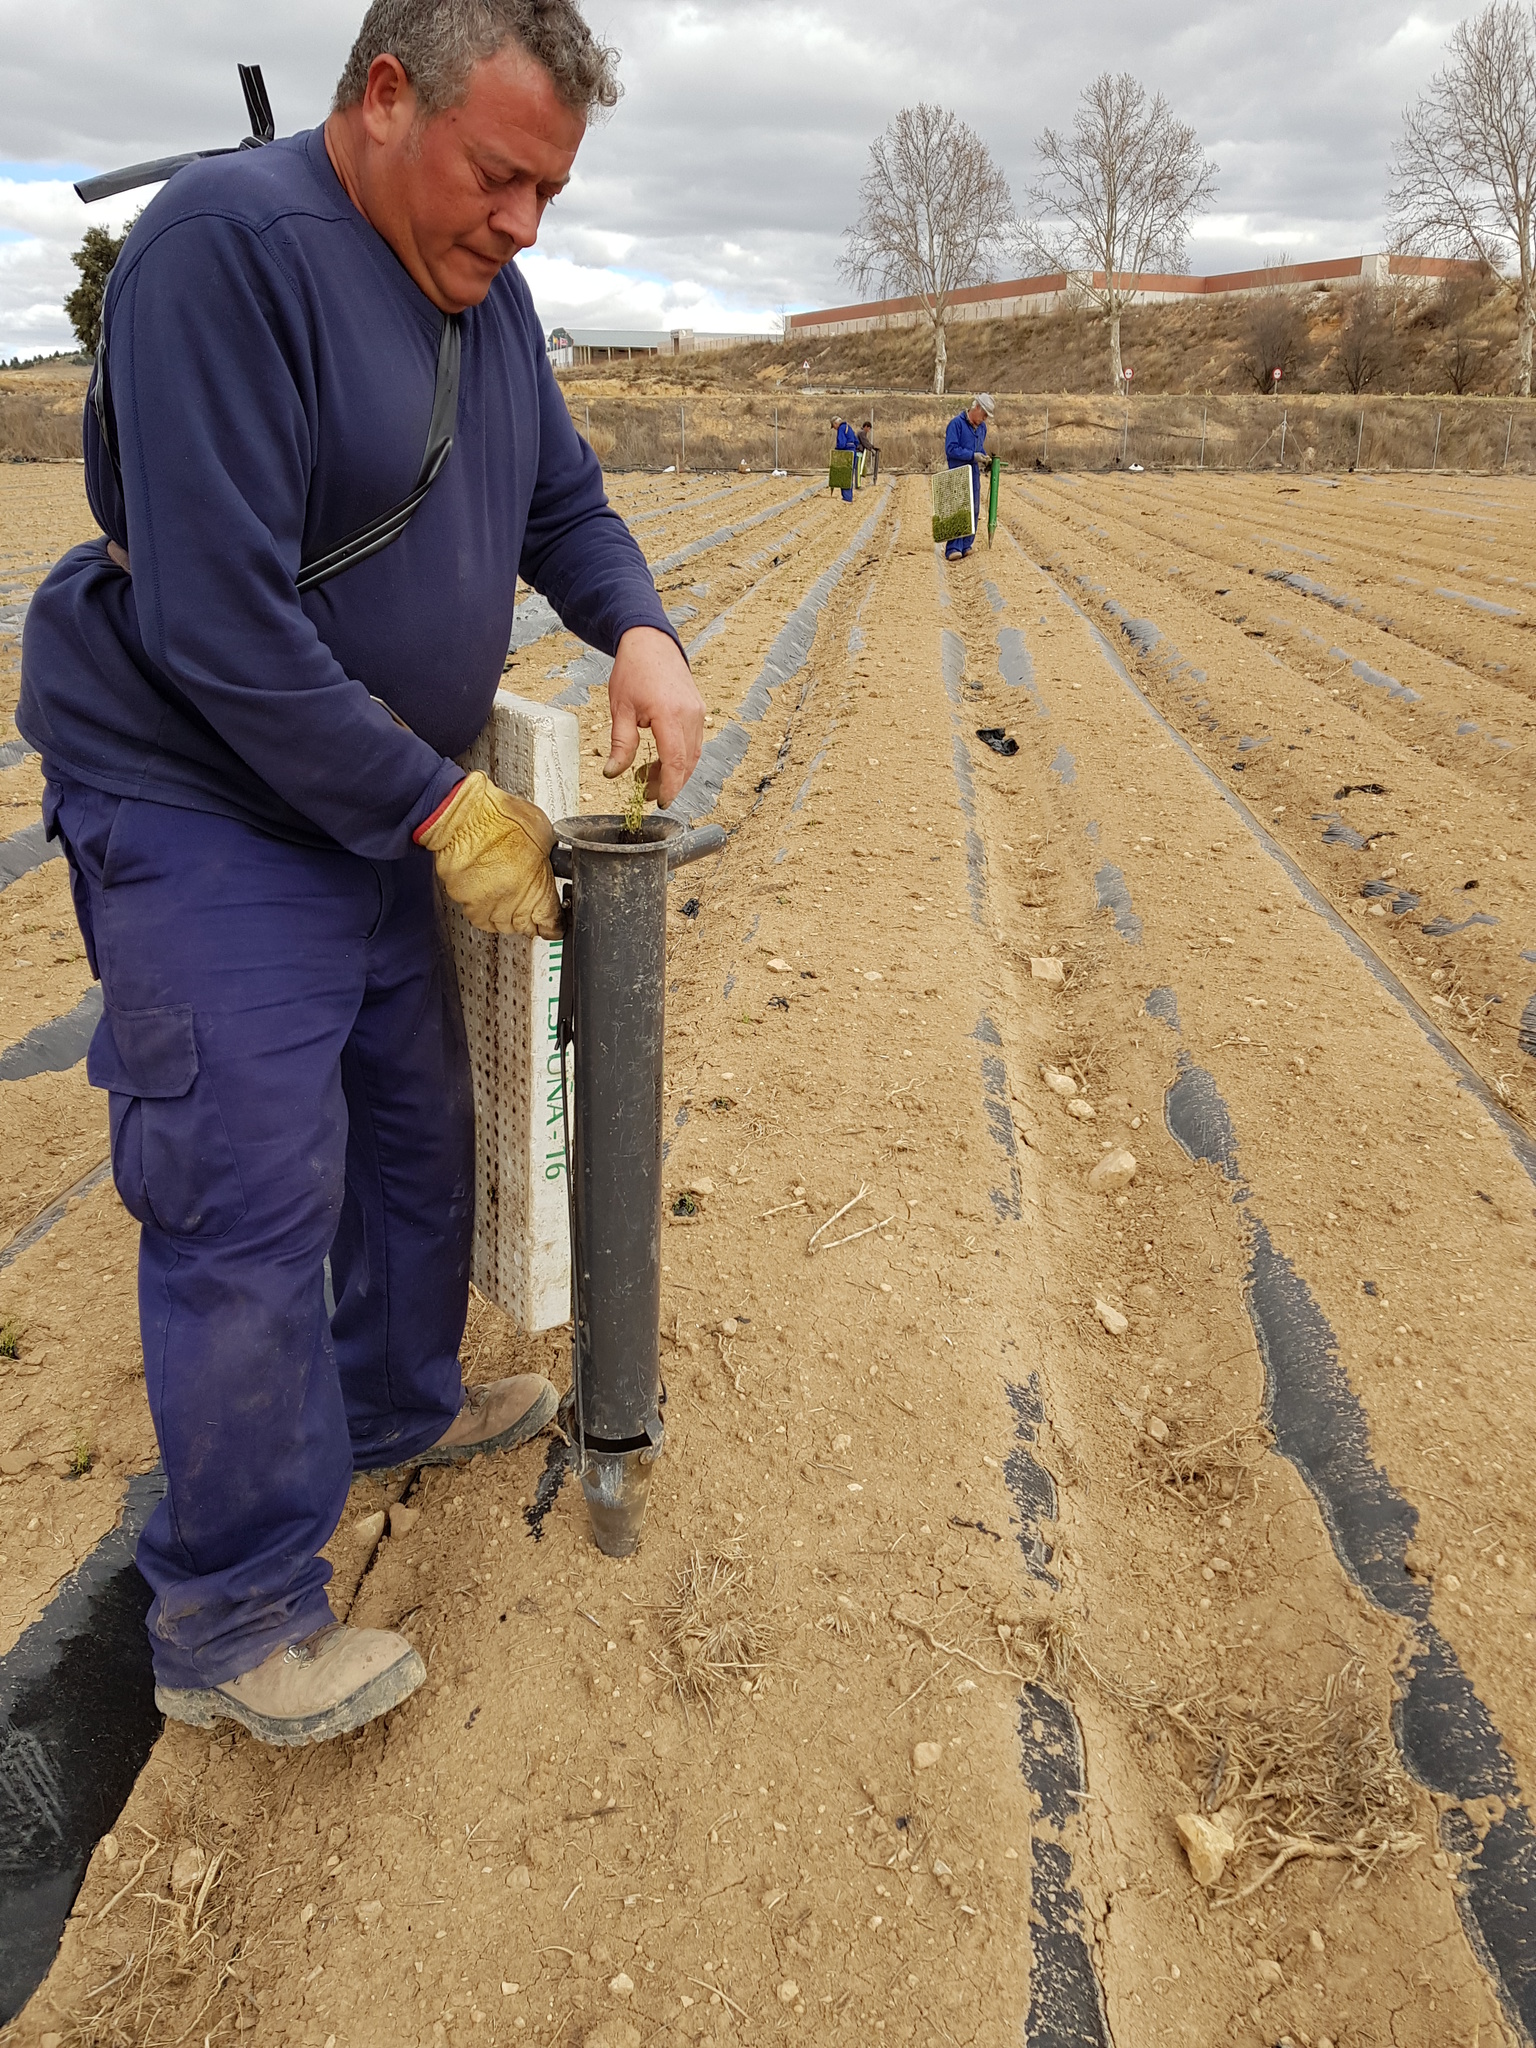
[1116, 195]
[935, 213]
[1463, 180]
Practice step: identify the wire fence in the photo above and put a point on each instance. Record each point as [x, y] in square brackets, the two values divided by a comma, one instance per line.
[742, 431]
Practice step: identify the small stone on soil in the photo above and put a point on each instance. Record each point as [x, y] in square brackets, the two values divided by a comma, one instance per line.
[402, 1520]
[1111, 1318]
[1048, 969]
[926, 1755]
[1078, 1108]
[1207, 1844]
[1116, 1169]
[1058, 1082]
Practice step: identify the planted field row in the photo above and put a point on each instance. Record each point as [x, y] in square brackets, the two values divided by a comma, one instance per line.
[1397, 780]
[1095, 1317]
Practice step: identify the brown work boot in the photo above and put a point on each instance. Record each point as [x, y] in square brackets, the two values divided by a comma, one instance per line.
[495, 1417]
[332, 1682]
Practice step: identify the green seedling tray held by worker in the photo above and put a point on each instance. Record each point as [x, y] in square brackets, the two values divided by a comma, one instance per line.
[997, 467]
[954, 508]
[840, 470]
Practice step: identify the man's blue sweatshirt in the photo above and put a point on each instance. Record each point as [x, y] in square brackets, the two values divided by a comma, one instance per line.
[271, 371]
[962, 441]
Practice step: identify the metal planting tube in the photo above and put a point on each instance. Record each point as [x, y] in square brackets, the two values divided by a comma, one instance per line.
[612, 1008]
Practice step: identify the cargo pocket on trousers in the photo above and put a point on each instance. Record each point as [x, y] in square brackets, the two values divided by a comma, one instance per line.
[171, 1156]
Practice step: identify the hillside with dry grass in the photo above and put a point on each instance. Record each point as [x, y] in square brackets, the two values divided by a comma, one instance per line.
[1427, 341]
[40, 411]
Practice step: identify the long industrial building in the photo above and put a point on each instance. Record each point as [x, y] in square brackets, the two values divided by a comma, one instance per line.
[1021, 298]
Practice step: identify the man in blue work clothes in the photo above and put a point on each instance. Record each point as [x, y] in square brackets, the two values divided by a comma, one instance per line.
[965, 442]
[249, 760]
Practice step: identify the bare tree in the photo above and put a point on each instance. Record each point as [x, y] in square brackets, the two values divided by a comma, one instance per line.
[1117, 194]
[1276, 336]
[1464, 176]
[935, 213]
[1365, 339]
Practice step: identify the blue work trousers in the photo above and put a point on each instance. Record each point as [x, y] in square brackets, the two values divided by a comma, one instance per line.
[955, 548]
[288, 1078]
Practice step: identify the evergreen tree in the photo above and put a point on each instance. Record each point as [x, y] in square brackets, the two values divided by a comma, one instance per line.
[94, 260]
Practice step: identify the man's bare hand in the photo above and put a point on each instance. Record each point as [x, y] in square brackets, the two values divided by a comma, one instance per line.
[650, 686]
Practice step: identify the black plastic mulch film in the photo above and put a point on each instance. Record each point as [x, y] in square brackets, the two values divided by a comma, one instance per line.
[1445, 1733]
[77, 1722]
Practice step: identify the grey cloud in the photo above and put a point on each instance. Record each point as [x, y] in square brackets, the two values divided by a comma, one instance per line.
[746, 123]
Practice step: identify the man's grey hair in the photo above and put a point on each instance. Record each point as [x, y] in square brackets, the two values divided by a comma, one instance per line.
[439, 43]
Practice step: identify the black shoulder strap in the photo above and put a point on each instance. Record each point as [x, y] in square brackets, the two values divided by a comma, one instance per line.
[378, 533]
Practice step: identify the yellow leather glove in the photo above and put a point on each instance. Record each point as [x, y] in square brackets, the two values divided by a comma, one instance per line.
[492, 854]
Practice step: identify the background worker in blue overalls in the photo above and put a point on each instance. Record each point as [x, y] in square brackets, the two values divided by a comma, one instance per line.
[847, 438]
[251, 766]
[965, 442]
[869, 452]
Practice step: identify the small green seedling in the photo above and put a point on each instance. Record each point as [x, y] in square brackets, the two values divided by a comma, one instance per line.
[686, 1205]
[81, 1456]
[10, 1338]
[634, 805]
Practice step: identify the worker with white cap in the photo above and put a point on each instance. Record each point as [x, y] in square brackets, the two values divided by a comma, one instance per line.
[965, 442]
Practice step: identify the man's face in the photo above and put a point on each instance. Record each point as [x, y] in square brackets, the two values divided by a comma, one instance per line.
[458, 196]
[976, 415]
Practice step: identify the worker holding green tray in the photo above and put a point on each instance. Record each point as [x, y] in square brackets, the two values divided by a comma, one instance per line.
[965, 444]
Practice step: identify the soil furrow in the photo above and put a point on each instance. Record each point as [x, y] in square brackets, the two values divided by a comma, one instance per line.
[1395, 837]
[1045, 1526]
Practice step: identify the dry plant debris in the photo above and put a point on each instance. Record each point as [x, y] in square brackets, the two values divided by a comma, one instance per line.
[710, 1638]
[1303, 1777]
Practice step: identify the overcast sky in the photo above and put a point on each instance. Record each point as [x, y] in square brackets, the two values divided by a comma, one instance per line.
[718, 191]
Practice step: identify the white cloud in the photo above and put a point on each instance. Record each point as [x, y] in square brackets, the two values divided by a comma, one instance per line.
[41, 221]
[719, 188]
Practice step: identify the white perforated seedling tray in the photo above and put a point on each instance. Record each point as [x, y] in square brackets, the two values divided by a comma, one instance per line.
[510, 989]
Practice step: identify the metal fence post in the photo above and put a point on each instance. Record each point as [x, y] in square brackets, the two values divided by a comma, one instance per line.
[775, 440]
[1202, 437]
[587, 413]
[1359, 436]
[1434, 459]
[1507, 432]
[1284, 417]
[682, 460]
[1045, 445]
[1125, 432]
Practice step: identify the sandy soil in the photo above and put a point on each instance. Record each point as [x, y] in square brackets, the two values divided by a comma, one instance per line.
[1008, 1446]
